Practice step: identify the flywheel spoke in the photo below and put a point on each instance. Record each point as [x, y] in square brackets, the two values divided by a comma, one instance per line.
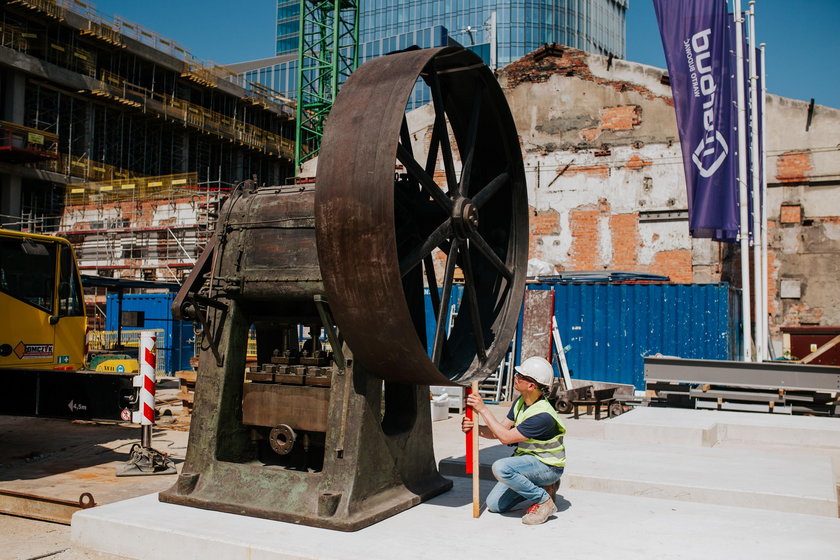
[485, 249]
[431, 280]
[475, 314]
[492, 188]
[431, 157]
[442, 133]
[440, 327]
[405, 137]
[472, 130]
[419, 174]
[437, 237]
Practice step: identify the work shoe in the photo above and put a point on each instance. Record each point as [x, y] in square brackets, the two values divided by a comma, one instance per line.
[552, 490]
[539, 513]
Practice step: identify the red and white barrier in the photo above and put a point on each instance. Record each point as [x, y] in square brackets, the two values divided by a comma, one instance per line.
[147, 357]
[144, 458]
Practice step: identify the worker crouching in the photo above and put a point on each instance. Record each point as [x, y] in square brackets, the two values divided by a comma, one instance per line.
[533, 472]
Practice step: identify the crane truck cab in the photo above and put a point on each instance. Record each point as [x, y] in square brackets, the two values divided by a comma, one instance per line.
[41, 303]
[42, 337]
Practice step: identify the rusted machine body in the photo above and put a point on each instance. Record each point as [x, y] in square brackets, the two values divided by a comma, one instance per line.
[338, 435]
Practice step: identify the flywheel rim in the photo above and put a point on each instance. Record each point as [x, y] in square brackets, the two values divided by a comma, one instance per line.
[478, 220]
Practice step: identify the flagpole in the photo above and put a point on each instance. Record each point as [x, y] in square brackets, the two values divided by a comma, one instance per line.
[742, 184]
[760, 297]
[764, 266]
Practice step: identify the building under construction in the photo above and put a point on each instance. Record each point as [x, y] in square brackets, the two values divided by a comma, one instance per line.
[122, 140]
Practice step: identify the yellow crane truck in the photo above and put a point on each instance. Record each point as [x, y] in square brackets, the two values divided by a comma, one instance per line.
[43, 358]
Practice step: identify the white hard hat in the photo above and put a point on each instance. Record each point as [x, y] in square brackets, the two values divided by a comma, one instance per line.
[538, 369]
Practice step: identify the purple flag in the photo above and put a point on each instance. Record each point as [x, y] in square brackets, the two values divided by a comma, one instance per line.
[697, 49]
[757, 112]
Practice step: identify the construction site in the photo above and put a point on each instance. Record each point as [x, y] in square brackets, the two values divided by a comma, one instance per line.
[122, 140]
[245, 326]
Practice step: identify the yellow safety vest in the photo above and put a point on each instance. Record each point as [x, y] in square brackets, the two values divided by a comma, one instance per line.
[551, 452]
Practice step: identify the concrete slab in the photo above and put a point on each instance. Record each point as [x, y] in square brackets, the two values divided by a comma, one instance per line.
[676, 426]
[629, 526]
[693, 466]
[726, 476]
[730, 477]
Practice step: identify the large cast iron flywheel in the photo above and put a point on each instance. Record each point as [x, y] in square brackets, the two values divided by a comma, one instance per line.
[384, 213]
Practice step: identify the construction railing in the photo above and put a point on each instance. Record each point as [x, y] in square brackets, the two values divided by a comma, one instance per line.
[143, 188]
[122, 91]
[61, 54]
[84, 168]
[29, 142]
[47, 7]
[112, 29]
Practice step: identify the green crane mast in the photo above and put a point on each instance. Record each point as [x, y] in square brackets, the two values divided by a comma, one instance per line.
[327, 55]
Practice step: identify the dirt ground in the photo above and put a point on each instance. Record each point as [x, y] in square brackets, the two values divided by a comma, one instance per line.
[62, 459]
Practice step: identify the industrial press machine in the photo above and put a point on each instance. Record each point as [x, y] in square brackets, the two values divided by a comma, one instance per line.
[338, 434]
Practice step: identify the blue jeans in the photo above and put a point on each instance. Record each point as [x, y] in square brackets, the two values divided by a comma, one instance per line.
[520, 478]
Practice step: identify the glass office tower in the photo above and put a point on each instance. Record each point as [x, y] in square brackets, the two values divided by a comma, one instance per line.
[520, 25]
[514, 27]
[500, 31]
[288, 26]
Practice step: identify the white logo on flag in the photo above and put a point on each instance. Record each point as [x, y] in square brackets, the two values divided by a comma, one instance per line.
[702, 150]
[713, 144]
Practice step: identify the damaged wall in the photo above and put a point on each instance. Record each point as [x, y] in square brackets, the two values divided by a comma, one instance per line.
[803, 196]
[602, 153]
[607, 190]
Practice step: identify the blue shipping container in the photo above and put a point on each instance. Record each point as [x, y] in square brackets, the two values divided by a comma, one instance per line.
[612, 327]
[455, 297]
[178, 337]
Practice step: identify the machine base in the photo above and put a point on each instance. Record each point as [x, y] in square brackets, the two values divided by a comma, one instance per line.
[386, 504]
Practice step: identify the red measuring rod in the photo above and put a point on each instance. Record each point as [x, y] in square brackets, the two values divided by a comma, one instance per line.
[468, 437]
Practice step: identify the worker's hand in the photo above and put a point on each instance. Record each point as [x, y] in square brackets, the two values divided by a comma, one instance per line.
[476, 402]
[466, 424]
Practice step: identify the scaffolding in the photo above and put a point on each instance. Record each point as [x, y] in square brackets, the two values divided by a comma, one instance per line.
[60, 53]
[142, 150]
[113, 30]
[20, 143]
[47, 7]
[148, 227]
[84, 168]
[116, 88]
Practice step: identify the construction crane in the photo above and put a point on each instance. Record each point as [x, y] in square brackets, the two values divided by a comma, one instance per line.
[327, 55]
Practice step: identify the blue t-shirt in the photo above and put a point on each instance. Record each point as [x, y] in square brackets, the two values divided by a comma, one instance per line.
[541, 426]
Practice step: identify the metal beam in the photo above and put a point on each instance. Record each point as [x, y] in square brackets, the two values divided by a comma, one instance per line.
[776, 375]
[32, 506]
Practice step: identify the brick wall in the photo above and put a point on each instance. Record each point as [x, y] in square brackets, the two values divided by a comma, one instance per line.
[674, 264]
[586, 251]
[624, 229]
[624, 117]
[597, 171]
[793, 167]
[542, 223]
[636, 163]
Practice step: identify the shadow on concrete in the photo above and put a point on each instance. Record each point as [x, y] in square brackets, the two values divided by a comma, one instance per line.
[33, 448]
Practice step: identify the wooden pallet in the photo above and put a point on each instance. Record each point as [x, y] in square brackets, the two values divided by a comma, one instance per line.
[187, 391]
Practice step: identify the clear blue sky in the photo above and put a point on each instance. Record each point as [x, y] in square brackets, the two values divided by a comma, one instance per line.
[803, 41]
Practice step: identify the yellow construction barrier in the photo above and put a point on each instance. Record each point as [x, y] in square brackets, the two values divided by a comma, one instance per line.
[142, 188]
